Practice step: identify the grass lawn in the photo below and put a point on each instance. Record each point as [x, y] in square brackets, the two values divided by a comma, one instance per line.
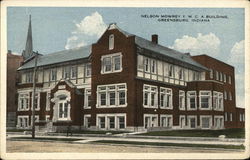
[229, 133]
[171, 144]
[47, 139]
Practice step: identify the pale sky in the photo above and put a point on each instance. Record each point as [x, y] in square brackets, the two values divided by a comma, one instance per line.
[56, 29]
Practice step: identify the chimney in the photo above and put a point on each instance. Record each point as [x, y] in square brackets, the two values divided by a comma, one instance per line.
[154, 38]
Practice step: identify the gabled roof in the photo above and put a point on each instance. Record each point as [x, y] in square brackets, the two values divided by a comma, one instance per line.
[114, 26]
[165, 51]
[59, 57]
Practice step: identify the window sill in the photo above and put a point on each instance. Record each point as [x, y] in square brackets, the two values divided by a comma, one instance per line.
[154, 107]
[86, 107]
[191, 109]
[102, 72]
[121, 106]
[205, 109]
[166, 107]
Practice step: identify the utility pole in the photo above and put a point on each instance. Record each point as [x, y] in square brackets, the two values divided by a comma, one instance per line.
[34, 96]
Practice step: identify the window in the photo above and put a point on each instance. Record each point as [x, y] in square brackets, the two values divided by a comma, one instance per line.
[87, 121]
[87, 102]
[218, 122]
[229, 79]
[73, 71]
[230, 95]
[181, 100]
[117, 63]
[111, 41]
[88, 70]
[181, 74]
[192, 121]
[166, 121]
[150, 120]
[171, 71]
[225, 95]
[29, 77]
[23, 101]
[206, 122]
[240, 117]
[211, 74]
[140, 62]
[111, 121]
[166, 98]
[146, 65]
[121, 122]
[231, 117]
[47, 118]
[182, 121]
[48, 101]
[66, 72]
[112, 63]
[221, 77]
[218, 100]
[53, 74]
[112, 95]
[153, 66]
[107, 64]
[150, 95]
[23, 122]
[191, 100]
[36, 102]
[217, 75]
[36, 119]
[205, 100]
[243, 117]
[225, 116]
[64, 110]
[225, 78]
[101, 122]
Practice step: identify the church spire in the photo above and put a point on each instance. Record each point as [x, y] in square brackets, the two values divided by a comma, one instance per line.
[28, 52]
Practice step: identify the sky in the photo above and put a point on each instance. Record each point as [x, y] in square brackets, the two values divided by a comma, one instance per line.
[60, 28]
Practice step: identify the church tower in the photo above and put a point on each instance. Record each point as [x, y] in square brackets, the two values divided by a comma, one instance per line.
[28, 52]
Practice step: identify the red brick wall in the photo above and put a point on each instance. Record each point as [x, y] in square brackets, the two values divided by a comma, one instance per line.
[126, 46]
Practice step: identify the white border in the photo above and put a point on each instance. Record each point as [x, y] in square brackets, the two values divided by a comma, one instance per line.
[121, 3]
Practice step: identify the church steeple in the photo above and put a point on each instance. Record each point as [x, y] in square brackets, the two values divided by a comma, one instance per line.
[28, 52]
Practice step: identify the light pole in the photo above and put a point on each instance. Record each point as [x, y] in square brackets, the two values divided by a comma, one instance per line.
[34, 96]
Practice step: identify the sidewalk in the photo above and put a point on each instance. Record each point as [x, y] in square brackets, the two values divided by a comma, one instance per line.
[137, 138]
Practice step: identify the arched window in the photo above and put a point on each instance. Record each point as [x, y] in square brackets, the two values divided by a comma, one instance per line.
[111, 42]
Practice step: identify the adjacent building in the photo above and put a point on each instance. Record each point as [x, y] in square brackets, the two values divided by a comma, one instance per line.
[13, 63]
[125, 82]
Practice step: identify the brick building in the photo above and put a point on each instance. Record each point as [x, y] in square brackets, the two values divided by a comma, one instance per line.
[13, 63]
[125, 82]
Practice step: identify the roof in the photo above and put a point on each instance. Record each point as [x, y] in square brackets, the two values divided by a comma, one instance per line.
[59, 57]
[146, 44]
[84, 52]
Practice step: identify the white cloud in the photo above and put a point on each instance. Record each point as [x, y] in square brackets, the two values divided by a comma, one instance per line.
[88, 30]
[202, 44]
[236, 59]
[237, 53]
